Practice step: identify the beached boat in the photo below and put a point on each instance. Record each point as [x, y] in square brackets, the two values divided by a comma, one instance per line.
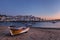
[18, 30]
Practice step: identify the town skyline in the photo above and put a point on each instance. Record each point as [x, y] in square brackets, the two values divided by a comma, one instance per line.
[44, 18]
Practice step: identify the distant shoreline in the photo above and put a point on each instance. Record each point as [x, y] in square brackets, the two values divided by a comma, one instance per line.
[32, 21]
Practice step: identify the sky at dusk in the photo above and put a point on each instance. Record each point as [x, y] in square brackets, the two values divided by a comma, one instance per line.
[41, 8]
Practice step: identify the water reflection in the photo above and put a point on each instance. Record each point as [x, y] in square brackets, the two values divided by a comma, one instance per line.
[36, 24]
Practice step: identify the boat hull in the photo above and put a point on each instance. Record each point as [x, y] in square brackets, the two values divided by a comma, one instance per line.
[18, 31]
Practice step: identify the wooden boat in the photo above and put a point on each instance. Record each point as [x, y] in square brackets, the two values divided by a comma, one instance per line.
[19, 30]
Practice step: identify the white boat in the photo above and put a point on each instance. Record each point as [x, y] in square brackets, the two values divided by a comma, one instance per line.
[18, 30]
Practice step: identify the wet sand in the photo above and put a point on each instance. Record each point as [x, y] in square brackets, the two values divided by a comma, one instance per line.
[33, 34]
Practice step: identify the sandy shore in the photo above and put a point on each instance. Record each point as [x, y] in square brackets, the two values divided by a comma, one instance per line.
[33, 34]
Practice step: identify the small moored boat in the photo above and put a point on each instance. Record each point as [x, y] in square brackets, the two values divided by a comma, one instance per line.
[53, 21]
[18, 30]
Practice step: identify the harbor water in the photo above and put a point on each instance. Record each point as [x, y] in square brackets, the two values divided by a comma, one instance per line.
[35, 24]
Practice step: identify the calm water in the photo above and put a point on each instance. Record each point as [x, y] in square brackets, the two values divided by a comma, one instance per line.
[36, 24]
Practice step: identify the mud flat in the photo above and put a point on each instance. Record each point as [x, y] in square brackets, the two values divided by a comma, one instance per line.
[33, 34]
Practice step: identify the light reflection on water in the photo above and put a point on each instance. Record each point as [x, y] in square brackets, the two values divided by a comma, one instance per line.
[47, 25]
[36, 24]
